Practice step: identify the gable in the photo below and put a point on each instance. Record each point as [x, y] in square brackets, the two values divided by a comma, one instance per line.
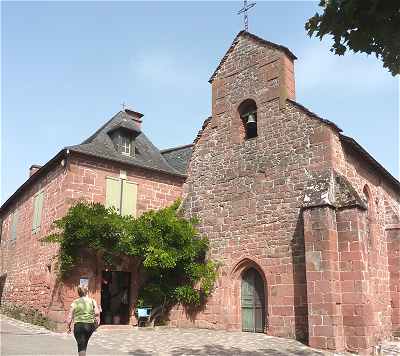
[244, 42]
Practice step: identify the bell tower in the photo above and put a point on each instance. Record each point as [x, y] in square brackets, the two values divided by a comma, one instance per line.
[252, 73]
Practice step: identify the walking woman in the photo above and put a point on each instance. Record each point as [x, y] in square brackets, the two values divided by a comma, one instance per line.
[83, 313]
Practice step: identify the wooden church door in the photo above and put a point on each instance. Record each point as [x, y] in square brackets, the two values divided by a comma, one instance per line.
[253, 301]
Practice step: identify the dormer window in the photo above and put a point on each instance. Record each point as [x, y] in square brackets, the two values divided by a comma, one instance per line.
[123, 141]
[126, 145]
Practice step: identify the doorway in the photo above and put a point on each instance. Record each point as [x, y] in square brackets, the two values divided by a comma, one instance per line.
[2, 285]
[253, 301]
[115, 297]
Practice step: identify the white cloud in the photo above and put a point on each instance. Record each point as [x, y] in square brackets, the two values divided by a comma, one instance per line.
[319, 68]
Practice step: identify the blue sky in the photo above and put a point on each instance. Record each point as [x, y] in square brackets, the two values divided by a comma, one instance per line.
[68, 66]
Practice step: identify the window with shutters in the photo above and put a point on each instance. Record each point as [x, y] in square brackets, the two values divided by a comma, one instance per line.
[122, 195]
[14, 226]
[37, 211]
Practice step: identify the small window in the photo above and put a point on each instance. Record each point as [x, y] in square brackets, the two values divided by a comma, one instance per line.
[126, 145]
[248, 114]
[123, 142]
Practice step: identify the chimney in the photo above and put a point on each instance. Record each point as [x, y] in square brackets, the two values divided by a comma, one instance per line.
[135, 116]
[33, 169]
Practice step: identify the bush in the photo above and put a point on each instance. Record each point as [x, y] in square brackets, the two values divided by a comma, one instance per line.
[170, 250]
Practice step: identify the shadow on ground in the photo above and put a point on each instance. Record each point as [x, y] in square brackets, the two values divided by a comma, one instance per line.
[141, 353]
[219, 350]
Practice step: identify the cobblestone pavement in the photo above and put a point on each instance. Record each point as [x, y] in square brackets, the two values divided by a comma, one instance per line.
[18, 338]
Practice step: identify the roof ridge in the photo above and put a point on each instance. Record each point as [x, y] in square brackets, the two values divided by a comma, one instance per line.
[363, 151]
[350, 141]
[91, 137]
[309, 112]
[176, 148]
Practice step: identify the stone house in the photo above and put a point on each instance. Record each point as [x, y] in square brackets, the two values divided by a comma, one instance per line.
[117, 166]
[305, 223]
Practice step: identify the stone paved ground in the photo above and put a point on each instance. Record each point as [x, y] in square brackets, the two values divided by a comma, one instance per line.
[18, 338]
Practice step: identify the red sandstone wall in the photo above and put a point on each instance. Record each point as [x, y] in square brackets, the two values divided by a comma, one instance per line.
[366, 254]
[29, 282]
[394, 270]
[248, 194]
[27, 261]
[87, 179]
[324, 290]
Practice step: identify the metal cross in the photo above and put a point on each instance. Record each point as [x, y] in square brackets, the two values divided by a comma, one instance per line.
[244, 10]
[123, 106]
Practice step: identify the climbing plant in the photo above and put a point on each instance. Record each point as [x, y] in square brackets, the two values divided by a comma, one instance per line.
[171, 252]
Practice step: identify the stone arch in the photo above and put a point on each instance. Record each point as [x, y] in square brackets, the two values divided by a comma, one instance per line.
[368, 195]
[244, 263]
[236, 274]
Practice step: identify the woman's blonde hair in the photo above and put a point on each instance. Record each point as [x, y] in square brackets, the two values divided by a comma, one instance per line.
[82, 291]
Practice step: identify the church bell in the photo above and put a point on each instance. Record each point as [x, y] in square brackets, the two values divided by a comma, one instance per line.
[251, 119]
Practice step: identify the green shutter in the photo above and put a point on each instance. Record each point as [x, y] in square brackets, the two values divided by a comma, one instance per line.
[129, 198]
[14, 224]
[37, 211]
[34, 215]
[113, 193]
[39, 208]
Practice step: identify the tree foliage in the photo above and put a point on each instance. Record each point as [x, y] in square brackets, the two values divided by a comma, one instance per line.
[168, 246]
[369, 26]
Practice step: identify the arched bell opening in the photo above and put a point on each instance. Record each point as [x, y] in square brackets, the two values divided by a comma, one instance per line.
[252, 301]
[248, 114]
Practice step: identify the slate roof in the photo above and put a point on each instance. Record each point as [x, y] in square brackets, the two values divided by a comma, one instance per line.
[353, 144]
[260, 40]
[178, 157]
[146, 154]
[100, 145]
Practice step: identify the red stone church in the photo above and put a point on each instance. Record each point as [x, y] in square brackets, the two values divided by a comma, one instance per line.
[304, 221]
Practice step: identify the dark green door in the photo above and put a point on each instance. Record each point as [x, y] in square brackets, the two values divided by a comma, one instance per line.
[253, 301]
